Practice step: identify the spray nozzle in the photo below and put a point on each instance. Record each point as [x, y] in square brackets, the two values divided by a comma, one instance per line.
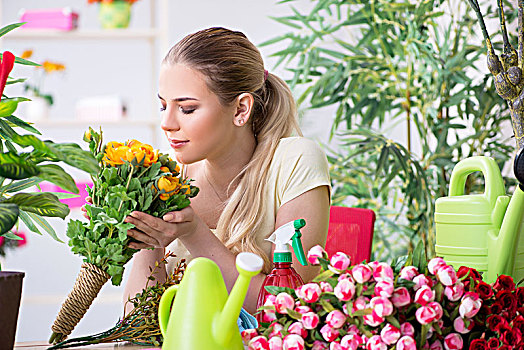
[284, 236]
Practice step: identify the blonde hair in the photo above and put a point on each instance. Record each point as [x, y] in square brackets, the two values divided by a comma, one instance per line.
[232, 65]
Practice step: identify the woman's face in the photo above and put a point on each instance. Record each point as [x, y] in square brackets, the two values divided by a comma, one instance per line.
[196, 125]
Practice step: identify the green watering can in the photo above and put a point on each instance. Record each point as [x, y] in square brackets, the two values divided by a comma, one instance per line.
[482, 231]
[202, 316]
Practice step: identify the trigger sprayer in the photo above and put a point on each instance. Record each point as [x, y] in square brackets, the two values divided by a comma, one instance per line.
[283, 274]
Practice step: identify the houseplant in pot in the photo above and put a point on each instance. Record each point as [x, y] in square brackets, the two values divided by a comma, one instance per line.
[25, 161]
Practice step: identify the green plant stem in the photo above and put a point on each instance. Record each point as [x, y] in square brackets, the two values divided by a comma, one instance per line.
[127, 186]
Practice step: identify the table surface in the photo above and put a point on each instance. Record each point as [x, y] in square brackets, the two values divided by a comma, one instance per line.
[44, 345]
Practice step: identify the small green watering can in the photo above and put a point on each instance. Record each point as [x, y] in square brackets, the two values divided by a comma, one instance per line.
[202, 316]
[482, 231]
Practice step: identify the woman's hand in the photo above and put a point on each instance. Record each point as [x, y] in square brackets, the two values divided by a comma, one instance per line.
[89, 200]
[153, 232]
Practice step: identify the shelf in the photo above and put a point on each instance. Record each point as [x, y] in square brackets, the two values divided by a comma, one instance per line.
[94, 123]
[29, 34]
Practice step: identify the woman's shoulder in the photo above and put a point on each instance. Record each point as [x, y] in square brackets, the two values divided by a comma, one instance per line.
[297, 146]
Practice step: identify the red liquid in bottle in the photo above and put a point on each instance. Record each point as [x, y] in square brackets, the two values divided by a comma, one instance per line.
[282, 275]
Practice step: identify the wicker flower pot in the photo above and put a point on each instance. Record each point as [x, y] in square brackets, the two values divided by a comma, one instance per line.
[10, 292]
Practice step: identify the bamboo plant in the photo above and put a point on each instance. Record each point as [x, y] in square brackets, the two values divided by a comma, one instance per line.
[395, 64]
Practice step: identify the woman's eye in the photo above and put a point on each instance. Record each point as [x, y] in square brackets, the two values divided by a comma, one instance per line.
[187, 110]
[162, 108]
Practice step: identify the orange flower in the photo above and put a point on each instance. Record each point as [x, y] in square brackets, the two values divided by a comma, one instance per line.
[115, 153]
[165, 169]
[26, 54]
[169, 185]
[51, 67]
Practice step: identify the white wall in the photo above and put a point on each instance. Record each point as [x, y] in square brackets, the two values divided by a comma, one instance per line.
[96, 68]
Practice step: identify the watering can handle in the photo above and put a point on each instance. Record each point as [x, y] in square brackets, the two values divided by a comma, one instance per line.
[493, 179]
[164, 307]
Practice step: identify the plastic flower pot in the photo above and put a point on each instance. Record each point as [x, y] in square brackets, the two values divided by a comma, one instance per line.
[115, 14]
[10, 292]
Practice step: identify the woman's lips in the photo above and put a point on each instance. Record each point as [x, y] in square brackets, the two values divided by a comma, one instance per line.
[178, 143]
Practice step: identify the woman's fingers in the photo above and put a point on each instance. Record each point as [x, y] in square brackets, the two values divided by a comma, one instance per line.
[84, 212]
[89, 200]
[184, 215]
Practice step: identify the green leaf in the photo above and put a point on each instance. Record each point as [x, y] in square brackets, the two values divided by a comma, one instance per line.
[16, 168]
[7, 108]
[20, 185]
[55, 174]
[44, 204]
[15, 121]
[74, 155]
[40, 221]
[26, 219]
[323, 276]
[6, 29]
[275, 290]
[8, 216]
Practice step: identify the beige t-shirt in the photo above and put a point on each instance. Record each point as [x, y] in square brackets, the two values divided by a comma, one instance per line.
[298, 166]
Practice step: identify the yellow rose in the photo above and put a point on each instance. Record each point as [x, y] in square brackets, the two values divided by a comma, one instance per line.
[115, 153]
[169, 184]
[141, 151]
[165, 169]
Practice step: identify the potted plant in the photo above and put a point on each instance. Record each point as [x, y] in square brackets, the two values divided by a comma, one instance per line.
[114, 13]
[25, 161]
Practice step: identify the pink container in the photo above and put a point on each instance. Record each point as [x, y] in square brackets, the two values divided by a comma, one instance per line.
[59, 19]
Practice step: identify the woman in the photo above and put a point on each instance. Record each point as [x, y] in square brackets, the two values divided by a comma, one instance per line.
[230, 124]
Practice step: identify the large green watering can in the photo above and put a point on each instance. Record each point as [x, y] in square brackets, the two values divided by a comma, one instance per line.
[482, 231]
[202, 316]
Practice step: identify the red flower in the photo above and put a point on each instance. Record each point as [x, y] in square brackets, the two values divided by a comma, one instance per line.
[504, 283]
[508, 301]
[493, 343]
[518, 323]
[495, 322]
[506, 347]
[520, 295]
[484, 290]
[467, 272]
[479, 344]
[496, 308]
[512, 337]
[8, 61]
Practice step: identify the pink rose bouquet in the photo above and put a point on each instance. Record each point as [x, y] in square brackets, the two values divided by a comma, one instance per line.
[411, 304]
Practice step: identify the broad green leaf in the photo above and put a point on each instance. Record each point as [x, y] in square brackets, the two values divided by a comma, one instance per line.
[13, 167]
[7, 108]
[44, 204]
[20, 185]
[74, 155]
[8, 216]
[55, 174]
[26, 219]
[15, 121]
[40, 221]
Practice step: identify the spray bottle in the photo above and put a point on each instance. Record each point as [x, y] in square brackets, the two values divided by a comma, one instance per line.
[283, 274]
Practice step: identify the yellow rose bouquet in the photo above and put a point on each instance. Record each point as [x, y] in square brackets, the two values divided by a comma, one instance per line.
[132, 176]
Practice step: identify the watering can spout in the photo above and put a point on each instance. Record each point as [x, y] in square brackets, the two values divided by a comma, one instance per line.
[248, 266]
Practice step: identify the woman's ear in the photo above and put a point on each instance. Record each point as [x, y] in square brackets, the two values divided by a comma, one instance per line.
[244, 106]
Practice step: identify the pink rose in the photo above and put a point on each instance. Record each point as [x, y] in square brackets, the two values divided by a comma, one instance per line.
[454, 292]
[382, 306]
[463, 326]
[344, 290]
[302, 309]
[340, 261]
[328, 333]
[408, 272]
[384, 288]
[284, 301]
[453, 341]
[425, 315]
[373, 319]
[421, 280]
[310, 320]
[335, 319]
[315, 253]
[319, 345]
[406, 343]
[470, 305]
[401, 297]
[297, 328]
[335, 346]
[360, 303]
[436, 345]
[424, 295]
[258, 343]
[407, 328]
[269, 315]
[390, 334]
[276, 329]
[275, 343]
[326, 287]
[447, 275]
[375, 343]
[248, 334]
[293, 342]
[309, 292]
[437, 308]
[351, 341]
[346, 276]
[435, 264]
[383, 272]
[361, 273]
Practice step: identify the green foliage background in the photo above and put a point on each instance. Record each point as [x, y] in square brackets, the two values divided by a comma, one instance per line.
[387, 63]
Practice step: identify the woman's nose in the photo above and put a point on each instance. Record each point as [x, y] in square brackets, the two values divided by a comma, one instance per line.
[169, 120]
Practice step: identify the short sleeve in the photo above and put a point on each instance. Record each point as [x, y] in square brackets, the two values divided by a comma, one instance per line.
[303, 166]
